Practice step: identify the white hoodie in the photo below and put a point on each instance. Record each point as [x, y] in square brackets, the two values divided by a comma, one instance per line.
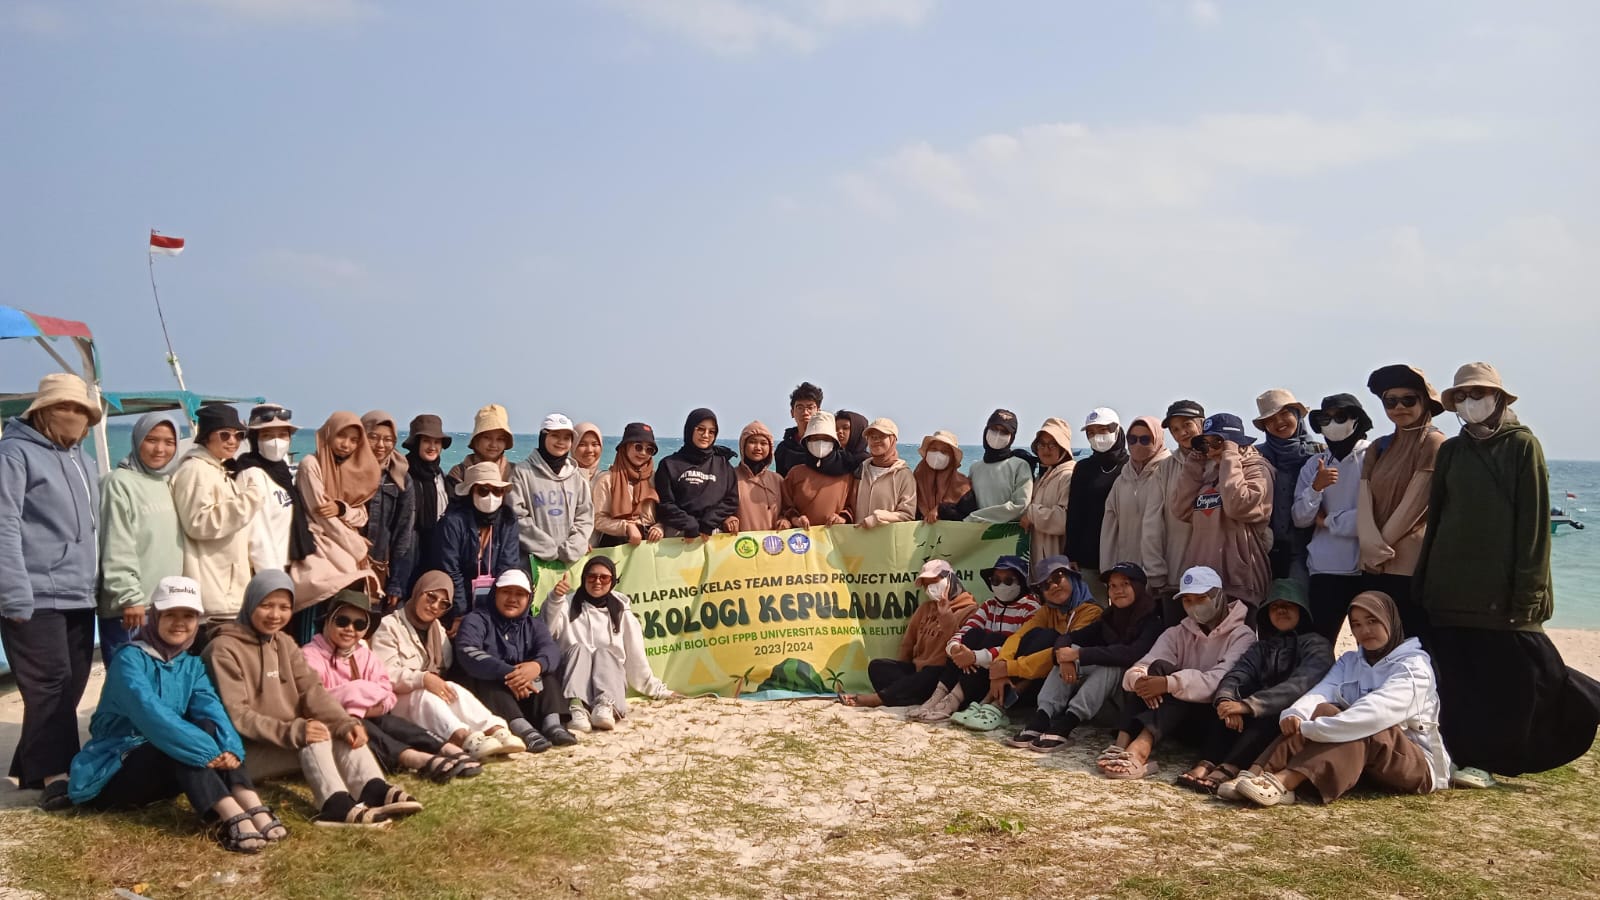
[1399, 690]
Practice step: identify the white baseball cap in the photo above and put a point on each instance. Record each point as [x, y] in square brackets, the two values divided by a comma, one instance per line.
[514, 578]
[176, 592]
[1199, 580]
[557, 422]
[934, 568]
[1102, 415]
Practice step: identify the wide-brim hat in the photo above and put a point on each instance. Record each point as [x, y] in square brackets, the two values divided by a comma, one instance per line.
[1273, 402]
[1399, 375]
[949, 440]
[822, 424]
[271, 415]
[1013, 563]
[65, 387]
[1056, 429]
[492, 418]
[427, 426]
[480, 473]
[1319, 416]
[1475, 374]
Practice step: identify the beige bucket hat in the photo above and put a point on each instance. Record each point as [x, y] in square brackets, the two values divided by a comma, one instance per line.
[949, 440]
[64, 387]
[480, 473]
[492, 418]
[821, 425]
[1275, 401]
[1475, 374]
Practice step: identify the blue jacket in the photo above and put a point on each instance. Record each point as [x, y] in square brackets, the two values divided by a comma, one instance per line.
[49, 511]
[489, 645]
[455, 550]
[147, 700]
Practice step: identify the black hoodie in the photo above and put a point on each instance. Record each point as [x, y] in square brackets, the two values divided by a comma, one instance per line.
[1279, 667]
[698, 488]
[1092, 478]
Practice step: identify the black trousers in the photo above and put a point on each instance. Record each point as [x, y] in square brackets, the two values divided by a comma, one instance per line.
[390, 735]
[149, 776]
[902, 683]
[975, 684]
[1330, 597]
[1225, 747]
[549, 701]
[50, 655]
[1171, 717]
[1412, 616]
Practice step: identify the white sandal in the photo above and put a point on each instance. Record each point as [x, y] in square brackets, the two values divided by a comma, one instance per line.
[1265, 790]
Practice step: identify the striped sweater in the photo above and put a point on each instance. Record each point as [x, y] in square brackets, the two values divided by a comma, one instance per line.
[999, 618]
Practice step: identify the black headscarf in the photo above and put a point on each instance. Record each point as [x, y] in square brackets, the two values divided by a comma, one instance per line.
[689, 452]
[302, 544]
[1087, 494]
[1006, 420]
[609, 601]
[1124, 623]
[855, 451]
[426, 474]
[556, 463]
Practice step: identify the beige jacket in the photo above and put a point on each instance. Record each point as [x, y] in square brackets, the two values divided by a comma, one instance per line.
[604, 522]
[1047, 508]
[1174, 530]
[761, 499]
[1134, 526]
[889, 498]
[216, 513]
[1229, 506]
[1394, 547]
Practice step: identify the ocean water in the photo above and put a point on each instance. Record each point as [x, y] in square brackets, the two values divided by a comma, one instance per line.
[1574, 555]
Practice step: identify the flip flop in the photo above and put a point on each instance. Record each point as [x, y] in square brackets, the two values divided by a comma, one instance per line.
[1127, 772]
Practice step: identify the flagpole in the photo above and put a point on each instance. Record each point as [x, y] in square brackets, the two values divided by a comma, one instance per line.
[172, 357]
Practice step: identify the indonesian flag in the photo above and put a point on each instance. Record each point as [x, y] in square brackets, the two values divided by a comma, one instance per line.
[1571, 496]
[166, 246]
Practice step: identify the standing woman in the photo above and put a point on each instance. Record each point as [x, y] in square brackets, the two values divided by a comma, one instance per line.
[852, 430]
[1509, 703]
[555, 510]
[886, 492]
[586, 453]
[1046, 517]
[335, 483]
[1184, 421]
[1090, 489]
[48, 522]
[625, 495]
[491, 438]
[217, 513]
[1325, 498]
[1225, 494]
[477, 541]
[425, 440]
[761, 498]
[282, 531]
[1134, 527]
[391, 513]
[941, 488]
[1396, 481]
[1002, 482]
[1287, 447]
[140, 541]
[698, 489]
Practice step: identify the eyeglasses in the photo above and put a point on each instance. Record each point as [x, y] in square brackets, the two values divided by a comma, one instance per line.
[381, 440]
[808, 408]
[1406, 400]
[436, 598]
[270, 414]
[1139, 440]
[359, 623]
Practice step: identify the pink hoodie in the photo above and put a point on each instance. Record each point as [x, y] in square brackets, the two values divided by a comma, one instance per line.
[358, 692]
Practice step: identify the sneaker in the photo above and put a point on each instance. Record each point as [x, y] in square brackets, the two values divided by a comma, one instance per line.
[54, 798]
[580, 719]
[535, 742]
[605, 718]
[560, 737]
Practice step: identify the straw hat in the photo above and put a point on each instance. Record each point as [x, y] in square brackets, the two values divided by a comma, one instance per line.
[492, 418]
[1476, 374]
[64, 387]
[1275, 401]
[946, 438]
[480, 473]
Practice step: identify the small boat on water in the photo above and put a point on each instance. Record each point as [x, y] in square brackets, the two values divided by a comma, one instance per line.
[1559, 517]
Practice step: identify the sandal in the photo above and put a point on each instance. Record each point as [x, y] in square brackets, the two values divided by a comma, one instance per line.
[465, 766]
[397, 803]
[359, 816]
[1229, 790]
[1471, 777]
[235, 839]
[1200, 784]
[980, 717]
[440, 769]
[1109, 754]
[1124, 769]
[1027, 737]
[275, 830]
[1050, 743]
[1265, 790]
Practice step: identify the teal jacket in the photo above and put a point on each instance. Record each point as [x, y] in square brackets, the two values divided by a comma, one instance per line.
[147, 700]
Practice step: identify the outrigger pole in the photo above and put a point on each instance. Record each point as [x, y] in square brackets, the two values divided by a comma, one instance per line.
[172, 357]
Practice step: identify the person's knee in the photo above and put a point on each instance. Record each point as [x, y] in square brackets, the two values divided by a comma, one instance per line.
[1161, 667]
[1324, 709]
[1036, 640]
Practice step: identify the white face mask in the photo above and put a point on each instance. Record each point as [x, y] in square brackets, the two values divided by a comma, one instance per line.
[1335, 431]
[1100, 443]
[1474, 411]
[995, 439]
[273, 449]
[937, 460]
[820, 448]
[488, 504]
[1006, 593]
[939, 590]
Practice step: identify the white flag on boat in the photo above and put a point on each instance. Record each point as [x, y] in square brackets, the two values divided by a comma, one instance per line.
[165, 245]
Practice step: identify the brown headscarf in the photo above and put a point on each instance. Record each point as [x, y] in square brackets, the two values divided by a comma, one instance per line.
[631, 488]
[934, 487]
[1381, 605]
[1410, 450]
[396, 465]
[357, 478]
[433, 647]
[63, 424]
[577, 438]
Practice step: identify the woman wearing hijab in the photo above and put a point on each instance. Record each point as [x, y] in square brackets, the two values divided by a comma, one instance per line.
[425, 441]
[477, 540]
[391, 513]
[1326, 498]
[1135, 524]
[217, 513]
[1171, 687]
[761, 497]
[851, 428]
[160, 729]
[508, 659]
[335, 484]
[822, 490]
[886, 492]
[586, 452]
[1045, 519]
[1002, 482]
[1092, 480]
[1288, 445]
[1396, 480]
[1371, 719]
[625, 495]
[416, 654]
[1185, 420]
[965, 678]
[1028, 655]
[941, 488]
[49, 517]
[555, 508]
[1225, 495]
[1510, 704]
[696, 484]
[912, 677]
[491, 438]
[281, 531]
[140, 541]
[602, 647]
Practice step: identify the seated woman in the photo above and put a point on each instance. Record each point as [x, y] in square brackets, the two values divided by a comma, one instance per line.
[356, 678]
[415, 653]
[1373, 716]
[822, 491]
[1029, 654]
[1172, 685]
[942, 491]
[965, 675]
[625, 495]
[912, 677]
[335, 482]
[761, 499]
[160, 730]
[289, 722]
[508, 659]
[1288, 657]
[602, 648]
[1090, 661]
[477, 541]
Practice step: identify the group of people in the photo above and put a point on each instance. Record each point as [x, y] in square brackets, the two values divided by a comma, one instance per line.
[366, 612]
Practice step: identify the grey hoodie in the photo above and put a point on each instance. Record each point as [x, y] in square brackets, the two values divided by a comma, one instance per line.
[49, 511]
[555, 513]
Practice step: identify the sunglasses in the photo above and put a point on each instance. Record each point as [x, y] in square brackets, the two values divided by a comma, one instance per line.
[598, 578]
[1205, 442]
[1473, 393]
[1406, 400]
[1140, 440]
[359, 623]
[484, 490]
[1057, 577]
[274, 414]
[998, 580]
[231, 437]
[436, 598]
[1340, 416]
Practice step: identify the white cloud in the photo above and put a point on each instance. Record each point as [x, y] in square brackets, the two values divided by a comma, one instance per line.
[286, 12]
[1203, 12]
[740, 27]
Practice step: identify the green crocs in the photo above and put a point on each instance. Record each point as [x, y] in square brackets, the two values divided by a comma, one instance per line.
[980, 717]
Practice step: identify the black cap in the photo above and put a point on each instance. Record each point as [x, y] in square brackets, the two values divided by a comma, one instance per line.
[639, 433]
[1184, 409]
[1131, 571]
[1003, 419]
[216, 417]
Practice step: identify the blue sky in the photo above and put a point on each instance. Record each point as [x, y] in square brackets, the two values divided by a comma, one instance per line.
[625, 209]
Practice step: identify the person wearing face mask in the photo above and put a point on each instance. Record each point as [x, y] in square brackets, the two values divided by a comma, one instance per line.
[1509, 703]
[1134, 526]
[941, 488]
[586, 453]
[49, 519]
[1326, 498]
[425, 441]
[886, 492]
[1225, 495]
[553, 502]
[281, 532]
[1184, 421]
[698, 489]
[761, 496]
[1002, 482]
[822, 491]
[1045, 519]
[912, 677]
[805, 401]
[391, 513]
[140, 541]
[217, 513]
[491, 438]
[965, 676]
[1092, 480]
[476, 541]
[335, 483]
[1028, 655]
[1171, 687]
[625, 495]
[1396, 479]
[1287, 447]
